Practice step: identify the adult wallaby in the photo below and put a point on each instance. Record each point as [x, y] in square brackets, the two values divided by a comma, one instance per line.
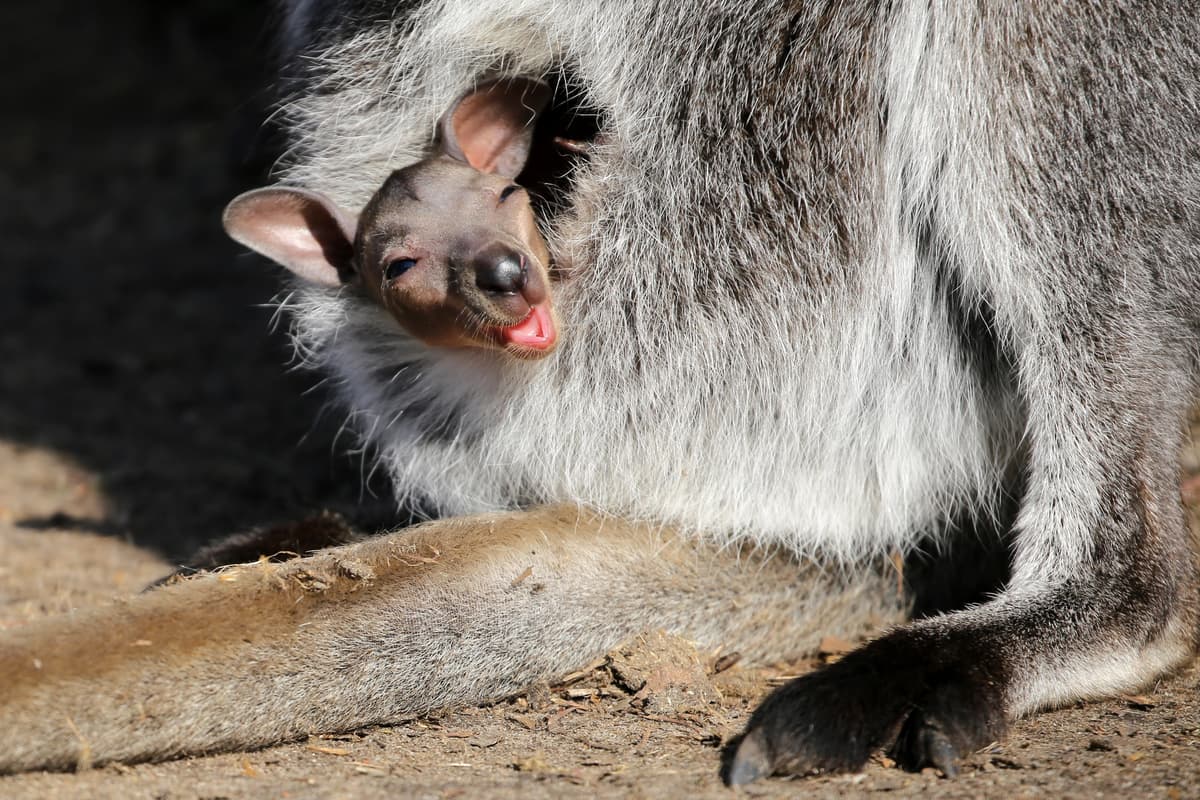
[839, 278]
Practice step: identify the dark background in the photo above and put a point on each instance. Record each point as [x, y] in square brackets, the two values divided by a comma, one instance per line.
[133, 338]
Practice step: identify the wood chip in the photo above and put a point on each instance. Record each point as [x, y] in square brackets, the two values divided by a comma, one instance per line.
[329, 751]
[724, 662]
[1139, 701]
[533, 763]
[367, 768]
[578, 675]
[779, 680]
[484, 742]
[525, 721]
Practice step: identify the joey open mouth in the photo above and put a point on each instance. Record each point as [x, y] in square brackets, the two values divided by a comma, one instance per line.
[562, 139]
[533, 336]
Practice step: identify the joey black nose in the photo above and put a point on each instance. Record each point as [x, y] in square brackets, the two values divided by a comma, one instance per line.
[499, 270]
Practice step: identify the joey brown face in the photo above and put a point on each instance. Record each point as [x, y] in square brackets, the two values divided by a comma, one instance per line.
[449, 246]
[454, 254]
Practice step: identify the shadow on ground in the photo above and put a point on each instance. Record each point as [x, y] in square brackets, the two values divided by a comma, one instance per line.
[132, 335]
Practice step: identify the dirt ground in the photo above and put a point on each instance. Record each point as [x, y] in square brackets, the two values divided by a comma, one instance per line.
[145, 408]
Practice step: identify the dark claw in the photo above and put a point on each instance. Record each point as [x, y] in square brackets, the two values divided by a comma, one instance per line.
[750, 762]
[943, 755]
[925, 745]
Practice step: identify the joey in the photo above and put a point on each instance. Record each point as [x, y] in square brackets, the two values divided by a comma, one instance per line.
[448, 246]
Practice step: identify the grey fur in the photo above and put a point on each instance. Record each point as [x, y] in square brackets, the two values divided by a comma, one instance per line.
[837, 273]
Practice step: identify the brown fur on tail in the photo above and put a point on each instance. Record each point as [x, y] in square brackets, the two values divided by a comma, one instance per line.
[449, 612]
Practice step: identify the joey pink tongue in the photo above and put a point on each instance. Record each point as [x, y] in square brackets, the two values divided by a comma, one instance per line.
[536, 330]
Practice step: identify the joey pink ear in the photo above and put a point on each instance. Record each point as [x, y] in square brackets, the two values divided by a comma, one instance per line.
[491, 127]
[302, 230]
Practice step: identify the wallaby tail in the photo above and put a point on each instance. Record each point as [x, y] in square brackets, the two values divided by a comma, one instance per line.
[449, 612]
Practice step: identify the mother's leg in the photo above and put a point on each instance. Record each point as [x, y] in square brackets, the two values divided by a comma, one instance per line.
[1088, 255]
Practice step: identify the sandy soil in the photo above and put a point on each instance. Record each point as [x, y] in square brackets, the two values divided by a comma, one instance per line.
[144, 409]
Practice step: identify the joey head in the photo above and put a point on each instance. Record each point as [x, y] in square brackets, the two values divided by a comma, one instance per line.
[449, 246]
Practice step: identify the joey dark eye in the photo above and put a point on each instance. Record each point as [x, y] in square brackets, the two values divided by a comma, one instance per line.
[507, 191]
[396, 268]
